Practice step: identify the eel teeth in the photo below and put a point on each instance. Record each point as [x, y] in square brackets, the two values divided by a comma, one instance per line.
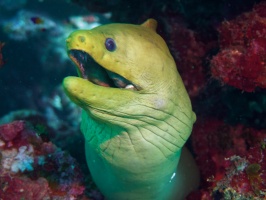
[130, 87]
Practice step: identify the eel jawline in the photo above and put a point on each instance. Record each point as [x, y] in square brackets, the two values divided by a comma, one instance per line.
[95, 73]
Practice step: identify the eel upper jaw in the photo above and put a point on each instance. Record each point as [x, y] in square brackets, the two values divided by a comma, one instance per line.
[89, 69]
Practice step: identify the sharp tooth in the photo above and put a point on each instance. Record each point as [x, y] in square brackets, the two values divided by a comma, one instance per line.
[130, 86]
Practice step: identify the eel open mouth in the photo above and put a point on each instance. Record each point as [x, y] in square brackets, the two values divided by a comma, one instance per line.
[95, 73]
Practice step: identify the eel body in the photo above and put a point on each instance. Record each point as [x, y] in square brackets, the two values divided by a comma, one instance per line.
[136, 115]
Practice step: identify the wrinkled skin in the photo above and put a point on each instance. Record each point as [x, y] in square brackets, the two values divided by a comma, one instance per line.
[133, 136]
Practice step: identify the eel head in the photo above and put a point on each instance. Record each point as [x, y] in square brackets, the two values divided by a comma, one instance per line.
[126, 72]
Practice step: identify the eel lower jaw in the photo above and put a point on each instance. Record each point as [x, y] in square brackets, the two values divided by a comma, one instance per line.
[95, 73]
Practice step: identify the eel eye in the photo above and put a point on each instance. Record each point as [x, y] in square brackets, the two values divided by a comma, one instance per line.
[110, 44]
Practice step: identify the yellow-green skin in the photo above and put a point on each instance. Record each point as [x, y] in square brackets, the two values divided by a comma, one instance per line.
[133, 138]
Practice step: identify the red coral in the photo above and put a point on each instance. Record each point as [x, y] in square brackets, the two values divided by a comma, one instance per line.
[189, 51]
[10, 131]
[25, 158]
[230, 158]
[245, 175]
[241, 61]
[24, 188]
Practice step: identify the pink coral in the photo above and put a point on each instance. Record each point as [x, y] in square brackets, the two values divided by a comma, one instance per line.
[241, 61]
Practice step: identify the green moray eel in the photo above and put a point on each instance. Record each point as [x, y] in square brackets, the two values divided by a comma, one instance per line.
[136, 116]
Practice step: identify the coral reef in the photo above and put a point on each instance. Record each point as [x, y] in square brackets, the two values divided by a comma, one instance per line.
[231, 159]
[32, 167]
[189, 50]
[241, 61]
[35, 37]
[230, 151]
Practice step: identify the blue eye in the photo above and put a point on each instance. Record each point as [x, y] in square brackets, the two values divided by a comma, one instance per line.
[110, 44]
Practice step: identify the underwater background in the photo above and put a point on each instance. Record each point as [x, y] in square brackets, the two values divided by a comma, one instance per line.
[220, 51]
